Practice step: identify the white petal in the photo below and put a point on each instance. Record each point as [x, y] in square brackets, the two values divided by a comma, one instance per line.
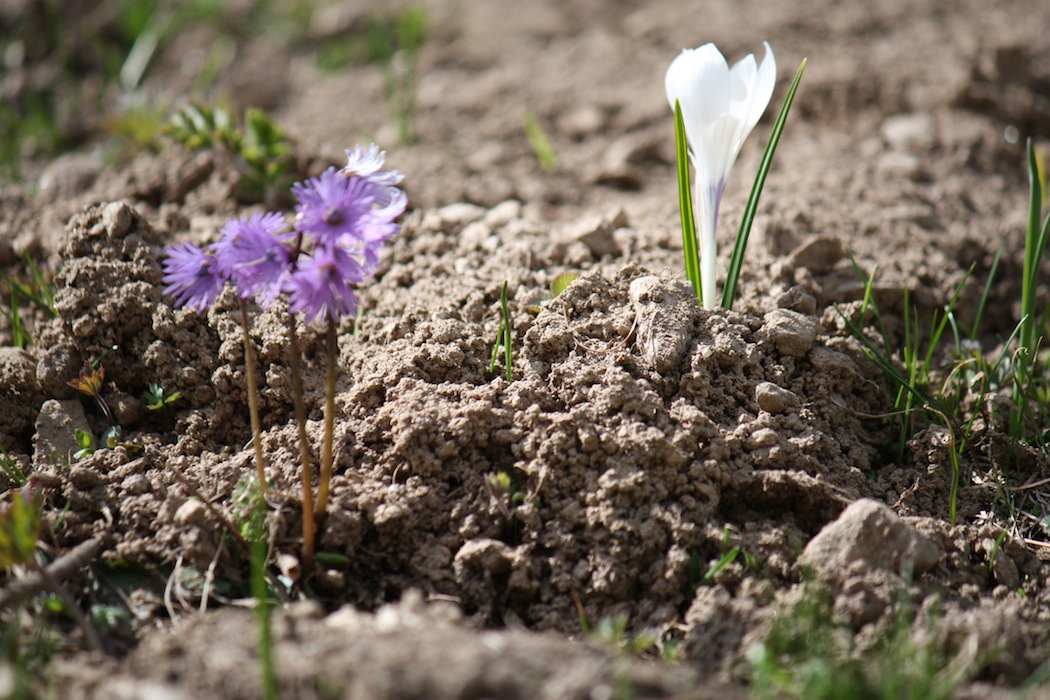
[699, 80]
[762, 88]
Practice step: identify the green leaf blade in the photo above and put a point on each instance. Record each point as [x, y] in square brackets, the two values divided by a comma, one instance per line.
[740, 246]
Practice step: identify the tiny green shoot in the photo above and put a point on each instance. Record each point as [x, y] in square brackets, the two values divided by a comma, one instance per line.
[11, 468]
[260, 145]
[86, 441]
[541, 144]
[504, 337]
[558, 285]
[156, 399]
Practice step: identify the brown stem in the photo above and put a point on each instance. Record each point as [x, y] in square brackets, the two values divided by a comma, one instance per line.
[331, 350]
[60, 569]
[294, 361]
[253, 397]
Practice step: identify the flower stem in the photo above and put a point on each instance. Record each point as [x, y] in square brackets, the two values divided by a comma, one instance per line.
[253, 397]
[331, 351]
[295, 363]
[709, 246]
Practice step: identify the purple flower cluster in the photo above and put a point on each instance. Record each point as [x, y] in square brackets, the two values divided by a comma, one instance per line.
[341, 223]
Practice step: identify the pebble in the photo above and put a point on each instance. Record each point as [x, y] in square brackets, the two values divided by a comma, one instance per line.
[191, 512]
[798, 299]
[868, 532]
[460, 213]
[595, 232]
[908, 132]
[582, 121]
[818, 255]
[792, 333]
[490, 555]
[503, 213]
[774, 399]
[55, 438]
[117, 219]
[135, 484]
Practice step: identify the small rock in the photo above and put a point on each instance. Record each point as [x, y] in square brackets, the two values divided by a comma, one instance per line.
[135, 484]
[664, 312]
[763, 437]
[502, 214]
[1003, 567]
[900, 166]
[595, 232]
[460, 214]
[288, 564]
[83, 479]
[798, 299]
[774, 399]
[582, 121]
[492, 556]
[871, 533]
[620, 166]
[190, 513]
[792, 333]
[56, 365]
[55, 439]
[828, 361]
[116, 219]
[18, 378]
[474, 235]
[330, 580]
[818, 255]
[906, 132]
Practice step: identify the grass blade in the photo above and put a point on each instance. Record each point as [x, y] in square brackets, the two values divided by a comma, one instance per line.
[737, 259]
[685, 204]
[508, 334]
[1033, 253]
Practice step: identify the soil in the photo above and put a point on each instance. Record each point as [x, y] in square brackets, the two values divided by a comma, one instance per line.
[642, 437]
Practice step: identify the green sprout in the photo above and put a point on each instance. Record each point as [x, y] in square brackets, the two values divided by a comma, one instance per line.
[808, 653]
[541, 145]
[86, 441]
[156, 399]
[613, 632]
[20, 527]
[504, 338]
[728, 556]
[925, 390]
[1034, 249]
[506, 487]
[261, 147]
[11, 468]
[37, 289]
[559, 285]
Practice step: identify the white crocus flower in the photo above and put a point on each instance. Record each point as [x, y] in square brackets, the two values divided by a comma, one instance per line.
[720, 107]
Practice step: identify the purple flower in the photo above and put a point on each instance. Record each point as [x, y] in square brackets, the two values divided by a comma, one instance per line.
[254, 251]
[332, 205]
[320, 284]
[192, 275]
